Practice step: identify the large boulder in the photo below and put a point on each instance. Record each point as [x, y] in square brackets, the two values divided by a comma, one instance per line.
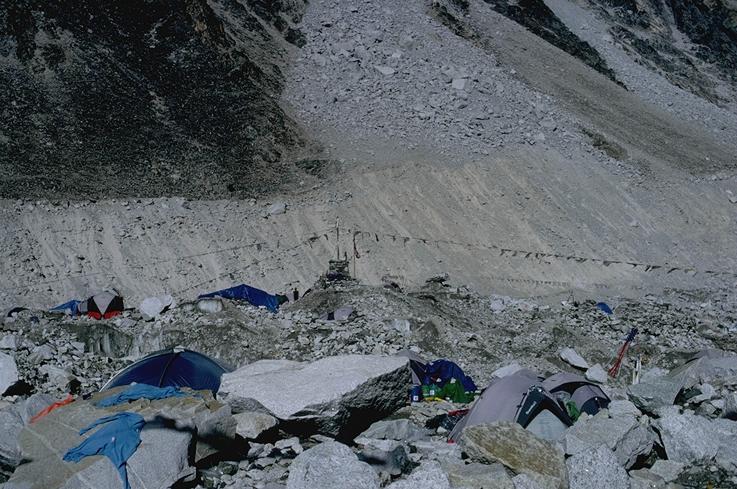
[591, 432]
[623, 434]
[165, 457]
[330, 465]
[518, 449]
[636, 443]
[595, 469]
[688, 438]
[727, 454]
[11, 425]
[706, 367]
[8, 372]
[12, 420]
[660, 392]
[336, 396]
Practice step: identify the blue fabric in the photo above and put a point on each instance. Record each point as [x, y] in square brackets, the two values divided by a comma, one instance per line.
[244, 292]
[172, 368]
[604, 307]
[441, 371]
[117, 440]
[141, 391]
[72, 306]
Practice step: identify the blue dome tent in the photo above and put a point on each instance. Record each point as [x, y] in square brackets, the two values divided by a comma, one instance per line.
[174, 367]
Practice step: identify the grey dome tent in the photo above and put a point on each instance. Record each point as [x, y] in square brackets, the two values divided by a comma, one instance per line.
[589, 397]
[517, 398]
[416, 363]
[175, 367]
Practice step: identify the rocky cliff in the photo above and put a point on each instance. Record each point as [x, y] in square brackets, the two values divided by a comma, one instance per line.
[103, 98]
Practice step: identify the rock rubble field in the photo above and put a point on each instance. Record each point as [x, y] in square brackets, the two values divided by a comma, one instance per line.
[317, 402]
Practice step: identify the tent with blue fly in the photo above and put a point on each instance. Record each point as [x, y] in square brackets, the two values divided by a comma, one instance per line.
[71, 308]
[175, 367]
[243, 292]
[604, 307]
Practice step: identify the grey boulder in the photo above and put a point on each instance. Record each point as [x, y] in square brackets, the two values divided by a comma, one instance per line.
[596, 373]
[688, 438]
[11, 425]
[572, 358]
[668, 470]
[594, 469]
[336, 396]
[428, 474]
[277, 208]
[330, 465]
[251, 424]
[637, 442]
[591, 432]
[523, 481]
[518, 449]
[395, 429]
[476, 475]
[623, 434]
[8, 372]
[645, 479]
[660, 392]
[392, 462]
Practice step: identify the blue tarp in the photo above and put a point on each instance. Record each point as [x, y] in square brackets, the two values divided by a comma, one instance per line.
[72, 306]
[175, 368]
[256, 297]
[118, 440]
[441, 371]
[603, 307]
[141, 391]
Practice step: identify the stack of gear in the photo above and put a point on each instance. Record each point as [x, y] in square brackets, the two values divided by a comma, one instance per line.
[439, 380]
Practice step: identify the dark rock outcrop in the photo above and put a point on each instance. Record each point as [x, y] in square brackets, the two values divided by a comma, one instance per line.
[103, 98]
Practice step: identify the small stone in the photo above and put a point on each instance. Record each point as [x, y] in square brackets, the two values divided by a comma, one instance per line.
[506, 370]
[277, 208]
[9, 342]
[250, 424]
[572, 358]
[459, 83]
[597, 374]
[384, 70]
[428, 475]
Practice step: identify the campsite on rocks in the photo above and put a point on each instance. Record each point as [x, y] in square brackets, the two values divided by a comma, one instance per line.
[368, 244]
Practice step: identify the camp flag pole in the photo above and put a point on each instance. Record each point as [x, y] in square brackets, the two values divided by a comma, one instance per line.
[337, 238]
[614, 370]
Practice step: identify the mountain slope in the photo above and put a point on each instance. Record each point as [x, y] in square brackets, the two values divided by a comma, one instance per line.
[107, 98]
